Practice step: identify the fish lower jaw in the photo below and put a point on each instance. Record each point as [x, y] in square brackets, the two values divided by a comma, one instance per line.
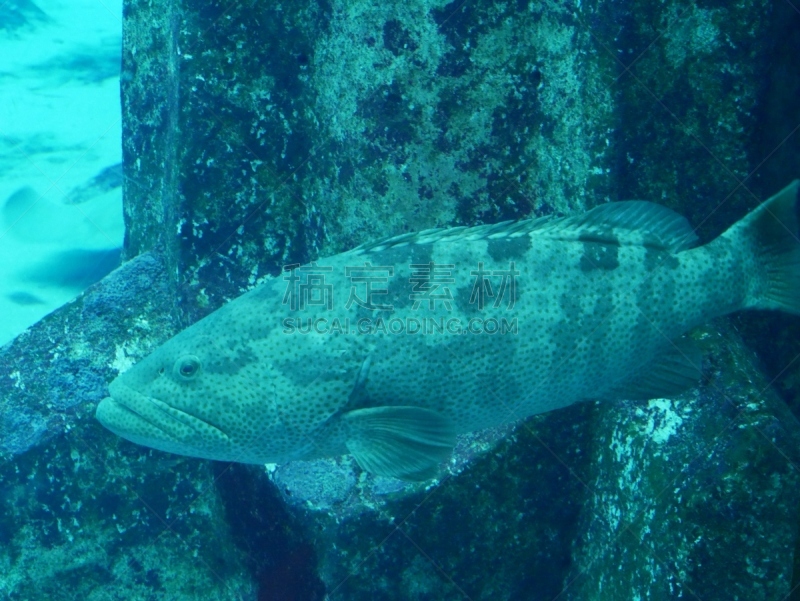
[151, 422]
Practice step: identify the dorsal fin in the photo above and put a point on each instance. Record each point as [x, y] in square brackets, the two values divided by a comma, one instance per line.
[628, 223]
[504, 229]
[631, 223]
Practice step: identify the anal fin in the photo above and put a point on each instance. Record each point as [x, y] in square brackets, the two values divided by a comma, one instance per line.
[672, 373]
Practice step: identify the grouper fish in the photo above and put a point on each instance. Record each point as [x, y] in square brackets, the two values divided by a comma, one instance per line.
[392, 349]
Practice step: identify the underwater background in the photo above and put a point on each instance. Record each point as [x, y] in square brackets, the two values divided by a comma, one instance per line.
[206, 144]
[61, 223]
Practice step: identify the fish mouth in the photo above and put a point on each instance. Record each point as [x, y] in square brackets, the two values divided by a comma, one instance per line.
[157, 414]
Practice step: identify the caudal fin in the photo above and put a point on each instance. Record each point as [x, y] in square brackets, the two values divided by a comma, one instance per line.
[772, 234]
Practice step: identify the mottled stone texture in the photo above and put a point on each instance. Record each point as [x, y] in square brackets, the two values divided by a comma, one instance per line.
[84, 519]
[53, 375]
[707, 97]
[82, 514]
[690, 80]
[259, 134]
[694, 496]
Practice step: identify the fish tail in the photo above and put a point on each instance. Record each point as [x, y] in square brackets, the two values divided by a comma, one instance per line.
[770, 237]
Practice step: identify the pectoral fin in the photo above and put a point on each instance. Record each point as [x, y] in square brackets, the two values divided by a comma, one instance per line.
[402, 442]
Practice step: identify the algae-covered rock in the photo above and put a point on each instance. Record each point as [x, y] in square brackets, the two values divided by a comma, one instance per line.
[260, 134]
[694, 495]
[82, 520]
[53, 375]
[83, 515]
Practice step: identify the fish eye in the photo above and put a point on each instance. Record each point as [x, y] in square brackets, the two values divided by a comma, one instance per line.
[186, 367]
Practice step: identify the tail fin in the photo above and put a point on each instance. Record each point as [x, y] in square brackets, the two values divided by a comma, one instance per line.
[772, 233]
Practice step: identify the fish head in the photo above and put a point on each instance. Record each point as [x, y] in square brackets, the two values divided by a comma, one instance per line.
[198, 395]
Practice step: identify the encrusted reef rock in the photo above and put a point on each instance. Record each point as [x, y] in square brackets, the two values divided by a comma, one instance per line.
[695, 495]
[83, 516]
[265, 134]
[260, 134]
[53, 374]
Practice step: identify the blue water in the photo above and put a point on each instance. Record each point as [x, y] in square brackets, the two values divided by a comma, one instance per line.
[60, 128]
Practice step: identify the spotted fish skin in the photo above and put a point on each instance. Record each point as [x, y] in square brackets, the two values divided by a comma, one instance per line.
[597, 310]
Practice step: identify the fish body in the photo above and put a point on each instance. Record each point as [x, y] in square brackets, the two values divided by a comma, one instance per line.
[390, 350]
